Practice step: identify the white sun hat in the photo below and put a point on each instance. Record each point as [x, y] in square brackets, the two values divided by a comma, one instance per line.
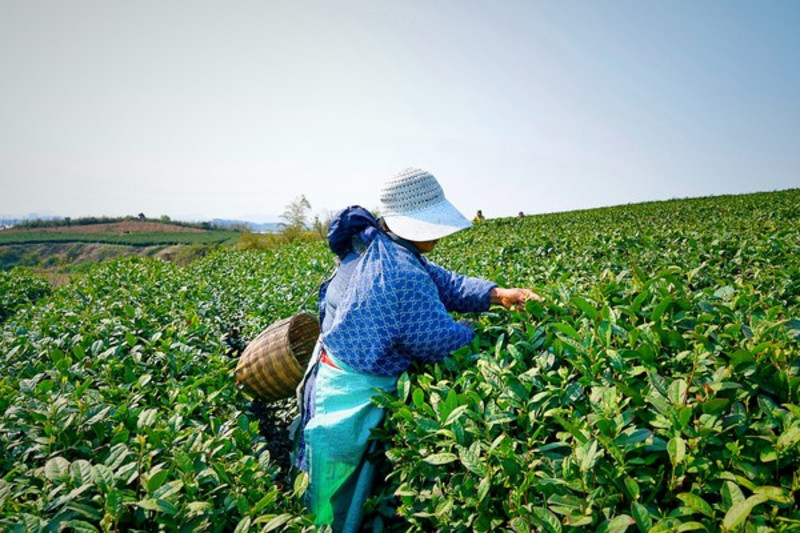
[414, 207]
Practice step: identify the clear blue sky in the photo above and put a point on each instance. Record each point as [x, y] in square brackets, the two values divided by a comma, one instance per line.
[233, 109]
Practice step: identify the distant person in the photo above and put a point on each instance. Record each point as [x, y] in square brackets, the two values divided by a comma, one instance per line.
[385, 307]
[520, 214]
[478, 217]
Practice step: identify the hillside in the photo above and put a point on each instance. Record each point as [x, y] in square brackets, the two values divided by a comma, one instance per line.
[63, 245]
[656, 388]
[125, 227]
[131, 233]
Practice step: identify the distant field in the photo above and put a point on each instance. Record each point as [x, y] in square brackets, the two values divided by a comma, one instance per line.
[128, 226]
[128, 233]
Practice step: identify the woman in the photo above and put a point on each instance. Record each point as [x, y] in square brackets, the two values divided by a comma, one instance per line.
[385, 307]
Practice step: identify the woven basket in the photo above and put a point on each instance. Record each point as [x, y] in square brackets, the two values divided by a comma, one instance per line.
[273, 363]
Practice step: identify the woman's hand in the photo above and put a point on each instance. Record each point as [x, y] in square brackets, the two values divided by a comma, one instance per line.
[516, 298]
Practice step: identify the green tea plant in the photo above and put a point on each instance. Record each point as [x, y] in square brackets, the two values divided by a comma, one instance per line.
[130, 239]
[19, 288]
[655, 389]
[119, 411]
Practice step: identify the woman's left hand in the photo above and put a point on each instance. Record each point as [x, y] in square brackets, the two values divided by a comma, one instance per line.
[515, 297]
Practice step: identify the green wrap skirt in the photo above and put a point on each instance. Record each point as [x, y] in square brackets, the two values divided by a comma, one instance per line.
[337, 441]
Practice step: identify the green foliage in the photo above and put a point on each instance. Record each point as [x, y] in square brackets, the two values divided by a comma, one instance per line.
[130, 239]
[273, 241]
[19, 288]
[118, 405]
[188, 254]
[655, 389]
[13, 256]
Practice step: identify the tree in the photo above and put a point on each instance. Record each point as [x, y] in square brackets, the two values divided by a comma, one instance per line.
[295, 215]
[321, 225]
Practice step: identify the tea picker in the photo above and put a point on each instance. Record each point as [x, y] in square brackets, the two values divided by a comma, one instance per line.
[385, 307]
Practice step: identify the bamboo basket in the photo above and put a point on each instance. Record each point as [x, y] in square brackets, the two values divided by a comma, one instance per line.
[273, 363]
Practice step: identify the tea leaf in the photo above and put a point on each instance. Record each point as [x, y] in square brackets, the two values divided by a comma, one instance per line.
[103, 477]
[196, 508]
[455, 414]
[692, 526]
[567, 329]
[677, 392]
[740, 510]
[57, 469]
[483, 487]
[676, 447]
[789, 438]
[79, 526]
[301, 482]
[633, 436]
[642, 516]
[440, 458]
[586, 307]
[774, 494]
[156, 478]
[403, 387]
[81, 472]
[547, 519]
[519, 525]
[148, 503]
[471, 459]
[244, 525]
[268, 498]
[146, 418]
[277, 522]
[731, 495]
[697, 503]
[632, 487]
[619, 524]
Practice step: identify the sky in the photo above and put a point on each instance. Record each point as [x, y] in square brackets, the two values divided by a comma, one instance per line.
[200, 110]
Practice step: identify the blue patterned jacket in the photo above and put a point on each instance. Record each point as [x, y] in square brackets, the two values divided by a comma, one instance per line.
[388, 305]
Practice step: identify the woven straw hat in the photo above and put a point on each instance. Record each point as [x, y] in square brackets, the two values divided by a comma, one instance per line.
[414, 207]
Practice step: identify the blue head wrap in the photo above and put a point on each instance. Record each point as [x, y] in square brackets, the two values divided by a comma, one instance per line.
[353, 221]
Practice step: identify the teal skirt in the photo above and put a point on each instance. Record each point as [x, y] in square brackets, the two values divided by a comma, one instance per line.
[337, 441]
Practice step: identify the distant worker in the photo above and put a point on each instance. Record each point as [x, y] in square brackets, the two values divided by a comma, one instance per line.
[478, 217]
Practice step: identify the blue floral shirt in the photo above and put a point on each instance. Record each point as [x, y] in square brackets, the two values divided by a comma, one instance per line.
[388, 306]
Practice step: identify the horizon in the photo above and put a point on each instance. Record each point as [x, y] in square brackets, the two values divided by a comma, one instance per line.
[276, 220]
[234, 110]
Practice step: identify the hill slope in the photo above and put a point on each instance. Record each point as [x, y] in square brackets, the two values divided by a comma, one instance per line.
[656, 389]
[82, 243]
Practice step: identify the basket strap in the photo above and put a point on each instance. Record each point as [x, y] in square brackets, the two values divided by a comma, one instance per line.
[327, 274]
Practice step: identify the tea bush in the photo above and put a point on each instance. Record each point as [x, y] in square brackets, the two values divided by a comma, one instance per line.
[19, 287]
[119, 411]
[655, 388]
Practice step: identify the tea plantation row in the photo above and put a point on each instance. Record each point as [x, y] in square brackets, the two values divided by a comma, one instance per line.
[118, 408]
[655, 389]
